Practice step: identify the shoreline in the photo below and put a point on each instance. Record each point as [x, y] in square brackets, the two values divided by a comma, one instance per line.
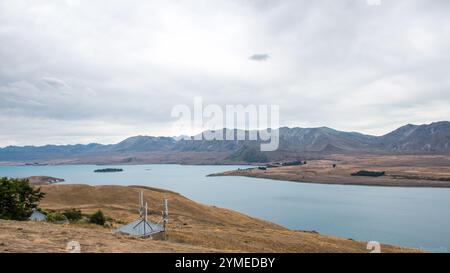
[392, 184]
[397, 171]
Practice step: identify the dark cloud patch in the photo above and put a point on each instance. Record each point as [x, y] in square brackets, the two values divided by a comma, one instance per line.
[259, 57]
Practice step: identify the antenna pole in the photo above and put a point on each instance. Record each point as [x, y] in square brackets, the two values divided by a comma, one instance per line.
[166, 210]
[165, 216]
[145, 219]
[139, 197]
[141, 204]
[145, 211]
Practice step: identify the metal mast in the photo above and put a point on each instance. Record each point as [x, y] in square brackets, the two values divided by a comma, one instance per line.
[165, 216]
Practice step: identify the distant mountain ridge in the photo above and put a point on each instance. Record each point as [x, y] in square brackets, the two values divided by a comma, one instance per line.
[434, 137]
[296, 142]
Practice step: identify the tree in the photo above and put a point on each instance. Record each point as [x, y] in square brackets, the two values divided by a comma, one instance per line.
[18, 198]
[97, 218]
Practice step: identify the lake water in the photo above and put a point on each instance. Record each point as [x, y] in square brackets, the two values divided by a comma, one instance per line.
[414, 217]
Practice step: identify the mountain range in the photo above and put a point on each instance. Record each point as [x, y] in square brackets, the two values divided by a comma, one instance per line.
[295, 143]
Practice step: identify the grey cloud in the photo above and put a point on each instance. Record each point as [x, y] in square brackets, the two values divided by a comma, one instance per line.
[54, 82]
[259, 57]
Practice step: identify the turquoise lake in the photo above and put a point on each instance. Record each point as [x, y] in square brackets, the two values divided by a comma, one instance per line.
[412, 217]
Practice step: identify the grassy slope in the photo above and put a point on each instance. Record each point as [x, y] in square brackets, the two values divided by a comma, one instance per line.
[193, 227]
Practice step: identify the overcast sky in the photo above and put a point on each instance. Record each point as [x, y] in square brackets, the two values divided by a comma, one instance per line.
[81, 71]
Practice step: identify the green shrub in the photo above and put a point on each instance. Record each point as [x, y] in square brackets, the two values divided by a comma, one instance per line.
[369, 173]
[73, 215]
[292, 163]
[97, 218]
[17, 198]
[55, 217]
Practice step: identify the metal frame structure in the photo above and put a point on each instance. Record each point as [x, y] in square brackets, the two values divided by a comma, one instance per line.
[142, 227]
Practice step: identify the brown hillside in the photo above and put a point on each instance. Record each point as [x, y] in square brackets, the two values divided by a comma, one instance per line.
[192, 227]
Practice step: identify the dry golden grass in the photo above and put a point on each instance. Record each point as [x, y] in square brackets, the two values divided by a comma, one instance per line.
[401, 171]
[192, 227]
